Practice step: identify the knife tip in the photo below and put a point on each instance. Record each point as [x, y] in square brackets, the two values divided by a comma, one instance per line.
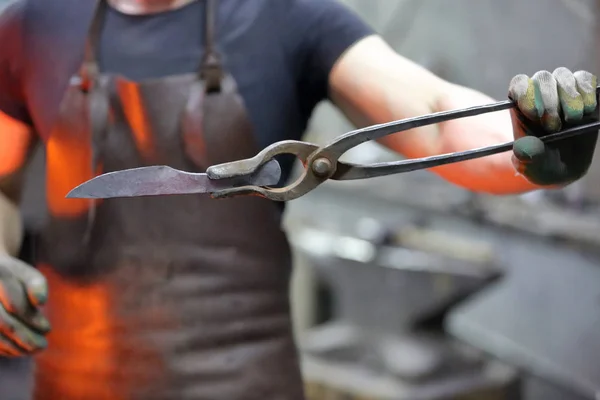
[73, 195]
[77, 193]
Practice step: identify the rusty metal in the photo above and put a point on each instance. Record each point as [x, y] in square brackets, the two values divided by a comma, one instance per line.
[163, 180]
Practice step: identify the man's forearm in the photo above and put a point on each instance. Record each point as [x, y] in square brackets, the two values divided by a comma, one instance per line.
[493, 174]
[372, 84]
[11, 227]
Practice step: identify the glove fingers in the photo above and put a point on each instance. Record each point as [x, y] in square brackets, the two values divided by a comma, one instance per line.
[20, 334]
[546, 94]
[548, 102]
[571, 101]
[8, 349]
[34, 282]
[13, 297]
[14, 301]
[586, 86]
[538, 100]
[522, 91]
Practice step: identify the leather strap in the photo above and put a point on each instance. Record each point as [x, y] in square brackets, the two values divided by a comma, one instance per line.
[99, 109]
[210, 70]
[89, 68]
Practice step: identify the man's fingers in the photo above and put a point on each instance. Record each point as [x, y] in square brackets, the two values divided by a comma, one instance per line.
[15, 302]
[34, 282]
[37, 321]
[528, 149]
[539, 163]
[522, 91]
[586, 86]
[8, 349]
[20, 334]
[571, 100]
[13, 297]
[546, 103]
[537, 99]
[546, 96]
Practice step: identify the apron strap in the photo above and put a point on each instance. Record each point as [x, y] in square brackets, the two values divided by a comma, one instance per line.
[211, 68]
[89, 69]
[97, 101]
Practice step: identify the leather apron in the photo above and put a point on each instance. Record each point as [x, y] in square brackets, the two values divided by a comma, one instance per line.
[156, 298]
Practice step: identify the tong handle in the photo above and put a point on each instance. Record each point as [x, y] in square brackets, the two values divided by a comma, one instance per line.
[348, 171]
[354, 138]
[347, 141]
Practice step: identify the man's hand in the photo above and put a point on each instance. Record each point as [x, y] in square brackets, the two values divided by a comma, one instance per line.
[372, 84]
[22, 291]
[547, 103]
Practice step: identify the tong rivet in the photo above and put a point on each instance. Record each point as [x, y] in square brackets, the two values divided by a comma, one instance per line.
[322, 167]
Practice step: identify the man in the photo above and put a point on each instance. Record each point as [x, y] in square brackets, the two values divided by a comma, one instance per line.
[184, 297]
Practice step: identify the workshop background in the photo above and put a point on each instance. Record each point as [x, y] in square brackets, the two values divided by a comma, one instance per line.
[384, 267]
[407, 288]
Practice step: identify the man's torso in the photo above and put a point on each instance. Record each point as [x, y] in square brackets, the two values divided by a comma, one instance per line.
[242, 269]
[258, 50]
[167, 272]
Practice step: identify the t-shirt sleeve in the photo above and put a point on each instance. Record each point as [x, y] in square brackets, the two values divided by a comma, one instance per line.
[327, 28]
[12, 101]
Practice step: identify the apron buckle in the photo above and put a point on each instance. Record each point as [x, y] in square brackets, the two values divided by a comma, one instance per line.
[211, 72]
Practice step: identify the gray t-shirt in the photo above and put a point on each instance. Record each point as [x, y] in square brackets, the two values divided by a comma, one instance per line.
[279, 51]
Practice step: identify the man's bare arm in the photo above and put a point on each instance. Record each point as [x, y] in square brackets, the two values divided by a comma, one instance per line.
[372, 84]
[16, 144]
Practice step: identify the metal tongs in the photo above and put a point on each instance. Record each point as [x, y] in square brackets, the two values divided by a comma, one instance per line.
[322, 163]
[253, 176]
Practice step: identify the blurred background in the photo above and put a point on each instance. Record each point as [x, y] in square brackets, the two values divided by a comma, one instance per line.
[407, 288]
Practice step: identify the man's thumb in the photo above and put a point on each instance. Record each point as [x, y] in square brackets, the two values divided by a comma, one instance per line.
[528, 149]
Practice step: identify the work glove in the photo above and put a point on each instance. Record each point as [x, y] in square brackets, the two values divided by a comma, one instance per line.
[548, 102]
[23, 290]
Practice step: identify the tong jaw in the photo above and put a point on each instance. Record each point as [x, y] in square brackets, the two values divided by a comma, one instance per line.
[310, 178]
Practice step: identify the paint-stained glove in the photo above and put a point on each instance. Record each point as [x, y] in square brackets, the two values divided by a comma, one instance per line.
[548, 102]
[22, 291]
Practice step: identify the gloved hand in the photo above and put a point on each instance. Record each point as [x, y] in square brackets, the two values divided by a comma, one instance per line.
[22, 291]
[548, 102]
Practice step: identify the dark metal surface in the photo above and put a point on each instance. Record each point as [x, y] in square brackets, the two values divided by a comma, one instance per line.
[342, 361]
[543, 316]
[550, 328]
[377, 344]
[163, 180]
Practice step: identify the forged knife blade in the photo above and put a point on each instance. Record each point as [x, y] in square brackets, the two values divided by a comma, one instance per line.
[162, 180]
